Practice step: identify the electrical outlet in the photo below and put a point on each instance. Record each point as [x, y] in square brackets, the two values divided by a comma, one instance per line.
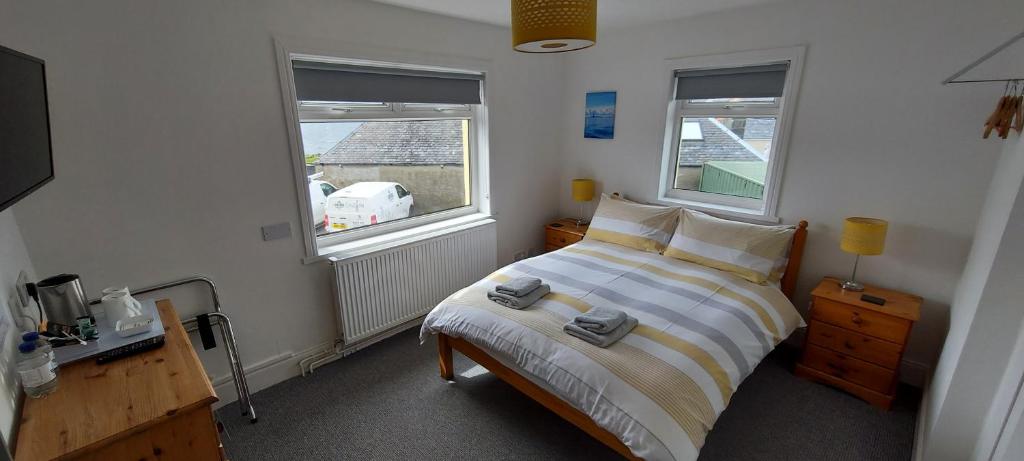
[519, 255]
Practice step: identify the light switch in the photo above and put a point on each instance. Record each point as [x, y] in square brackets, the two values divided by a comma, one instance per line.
[277, 231]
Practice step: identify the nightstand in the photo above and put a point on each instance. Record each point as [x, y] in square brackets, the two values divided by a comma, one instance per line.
[855, 345]
[562, 233]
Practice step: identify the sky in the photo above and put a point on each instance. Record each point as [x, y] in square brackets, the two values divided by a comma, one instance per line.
[601, 103]
[320, 137]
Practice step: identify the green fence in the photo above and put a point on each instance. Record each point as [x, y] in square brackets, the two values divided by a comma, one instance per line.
[742, 179]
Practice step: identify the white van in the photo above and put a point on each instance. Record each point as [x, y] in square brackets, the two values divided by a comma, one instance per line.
[365, 203]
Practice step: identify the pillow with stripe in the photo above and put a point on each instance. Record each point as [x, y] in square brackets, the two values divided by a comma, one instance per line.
[752, 251]
[635, 225]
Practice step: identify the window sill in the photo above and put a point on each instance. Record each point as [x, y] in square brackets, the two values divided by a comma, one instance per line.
[732, 212]
[361, 247]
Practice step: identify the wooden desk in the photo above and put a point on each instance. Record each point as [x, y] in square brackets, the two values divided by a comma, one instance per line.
[154, 405]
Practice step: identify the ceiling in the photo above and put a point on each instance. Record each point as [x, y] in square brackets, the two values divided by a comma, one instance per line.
[610, 13]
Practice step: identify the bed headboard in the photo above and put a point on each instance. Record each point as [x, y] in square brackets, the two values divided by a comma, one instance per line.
[796, 255]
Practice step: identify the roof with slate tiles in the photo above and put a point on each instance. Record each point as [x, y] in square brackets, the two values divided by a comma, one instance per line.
[419, 142]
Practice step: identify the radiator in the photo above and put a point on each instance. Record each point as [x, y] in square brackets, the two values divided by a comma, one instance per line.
[381, 291]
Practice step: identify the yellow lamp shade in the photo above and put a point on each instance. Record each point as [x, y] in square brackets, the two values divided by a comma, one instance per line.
[582, 190]
[552, 26]
[863, 236]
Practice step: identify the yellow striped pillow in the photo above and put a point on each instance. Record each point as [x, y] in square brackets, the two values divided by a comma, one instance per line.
[751, 251]
[635, 225]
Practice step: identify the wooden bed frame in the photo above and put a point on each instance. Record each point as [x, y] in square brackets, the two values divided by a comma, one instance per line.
[445, 345]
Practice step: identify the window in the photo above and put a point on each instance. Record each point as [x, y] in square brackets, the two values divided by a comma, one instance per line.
[391, 146]
[724, 132]
[327, 189]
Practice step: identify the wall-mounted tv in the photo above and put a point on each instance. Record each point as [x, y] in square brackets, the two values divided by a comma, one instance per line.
[26, 162]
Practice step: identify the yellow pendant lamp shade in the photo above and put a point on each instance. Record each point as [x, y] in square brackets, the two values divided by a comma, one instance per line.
[582, 190]
[552, 26]
[863, 236]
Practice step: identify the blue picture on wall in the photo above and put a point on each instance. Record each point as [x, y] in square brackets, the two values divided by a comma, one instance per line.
[599, 122]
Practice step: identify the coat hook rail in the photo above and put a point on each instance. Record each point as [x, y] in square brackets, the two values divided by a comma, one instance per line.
[985, 57]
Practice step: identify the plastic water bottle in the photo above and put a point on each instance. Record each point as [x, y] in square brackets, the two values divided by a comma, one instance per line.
[37, 370]
[41, 344]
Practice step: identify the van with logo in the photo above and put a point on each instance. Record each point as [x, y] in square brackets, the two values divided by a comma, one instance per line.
[366, 203]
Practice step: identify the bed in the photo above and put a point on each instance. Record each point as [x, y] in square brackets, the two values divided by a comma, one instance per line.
[656, 393]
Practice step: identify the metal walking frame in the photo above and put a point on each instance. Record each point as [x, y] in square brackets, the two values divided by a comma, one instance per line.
[216, 318]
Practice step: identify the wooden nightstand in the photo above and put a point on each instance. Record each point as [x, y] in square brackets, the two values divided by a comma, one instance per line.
[855, 345]
[562, 233]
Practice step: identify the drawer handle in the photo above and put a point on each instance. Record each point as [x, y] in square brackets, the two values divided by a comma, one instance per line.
[562, 240]
[856, 319]
[847, 344]
[826, 335]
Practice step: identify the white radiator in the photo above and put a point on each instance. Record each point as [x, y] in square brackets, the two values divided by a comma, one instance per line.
[384, 290]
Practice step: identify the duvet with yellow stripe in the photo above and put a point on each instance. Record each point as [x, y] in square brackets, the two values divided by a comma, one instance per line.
[659, 389]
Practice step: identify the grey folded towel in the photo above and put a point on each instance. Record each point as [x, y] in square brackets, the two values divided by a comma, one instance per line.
[522, 302]
[519, 286]
[600, 320]
[599, 340]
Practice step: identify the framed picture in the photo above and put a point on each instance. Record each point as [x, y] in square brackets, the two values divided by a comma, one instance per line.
[599, 120]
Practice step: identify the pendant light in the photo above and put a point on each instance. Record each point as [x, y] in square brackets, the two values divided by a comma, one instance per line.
[553, 26]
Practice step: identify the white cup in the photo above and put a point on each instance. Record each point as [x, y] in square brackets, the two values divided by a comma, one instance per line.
[119, 304]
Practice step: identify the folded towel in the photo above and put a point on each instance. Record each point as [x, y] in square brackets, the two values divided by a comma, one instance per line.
[599, 340]
[523, 302]
[519, 286]
[600, 320]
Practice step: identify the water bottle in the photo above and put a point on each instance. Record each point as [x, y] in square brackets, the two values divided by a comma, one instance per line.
[41, 344]
[37, 370]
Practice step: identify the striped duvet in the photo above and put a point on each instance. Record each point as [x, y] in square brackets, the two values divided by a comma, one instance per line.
[661, 388]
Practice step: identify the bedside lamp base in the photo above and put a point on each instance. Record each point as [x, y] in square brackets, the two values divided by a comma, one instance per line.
[850, 285]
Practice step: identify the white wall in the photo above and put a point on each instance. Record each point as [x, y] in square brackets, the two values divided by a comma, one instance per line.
[171, 150]
[985, 321]
[874, 133]
[13, 259]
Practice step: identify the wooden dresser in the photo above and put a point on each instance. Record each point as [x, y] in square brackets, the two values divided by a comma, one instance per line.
[562, 233]
[855, 345]
[150, 406]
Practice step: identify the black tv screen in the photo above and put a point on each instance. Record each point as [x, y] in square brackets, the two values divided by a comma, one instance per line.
[25, 158]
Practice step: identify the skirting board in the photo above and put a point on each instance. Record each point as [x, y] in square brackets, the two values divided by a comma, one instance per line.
[264, 374]
[917, 454]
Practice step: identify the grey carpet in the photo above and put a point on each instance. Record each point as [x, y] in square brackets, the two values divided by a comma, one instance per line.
[388, 402]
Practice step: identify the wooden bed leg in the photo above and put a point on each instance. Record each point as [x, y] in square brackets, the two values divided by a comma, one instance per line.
[444, 357]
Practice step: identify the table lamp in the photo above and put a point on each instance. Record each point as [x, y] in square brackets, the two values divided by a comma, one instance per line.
[862, 236]
[582, 191]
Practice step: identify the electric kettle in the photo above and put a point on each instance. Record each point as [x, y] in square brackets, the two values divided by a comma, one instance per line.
[62, 299]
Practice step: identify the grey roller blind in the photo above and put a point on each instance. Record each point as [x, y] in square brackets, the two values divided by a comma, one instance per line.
[316, 81]
[765, 81]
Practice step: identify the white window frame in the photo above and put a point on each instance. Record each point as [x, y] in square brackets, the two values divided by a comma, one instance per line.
[782, 109]
[349, 242]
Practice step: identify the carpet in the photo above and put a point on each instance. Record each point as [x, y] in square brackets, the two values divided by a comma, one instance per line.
[387, 402]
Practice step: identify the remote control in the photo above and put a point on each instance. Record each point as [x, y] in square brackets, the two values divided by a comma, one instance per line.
[873, 299]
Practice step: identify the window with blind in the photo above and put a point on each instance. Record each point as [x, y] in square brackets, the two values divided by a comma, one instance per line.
[386, 147]
[725, 130]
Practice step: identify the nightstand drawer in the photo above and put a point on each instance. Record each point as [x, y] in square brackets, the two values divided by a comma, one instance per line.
[849, 369]
[873, 350]
[561, 239]
[889, 328]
